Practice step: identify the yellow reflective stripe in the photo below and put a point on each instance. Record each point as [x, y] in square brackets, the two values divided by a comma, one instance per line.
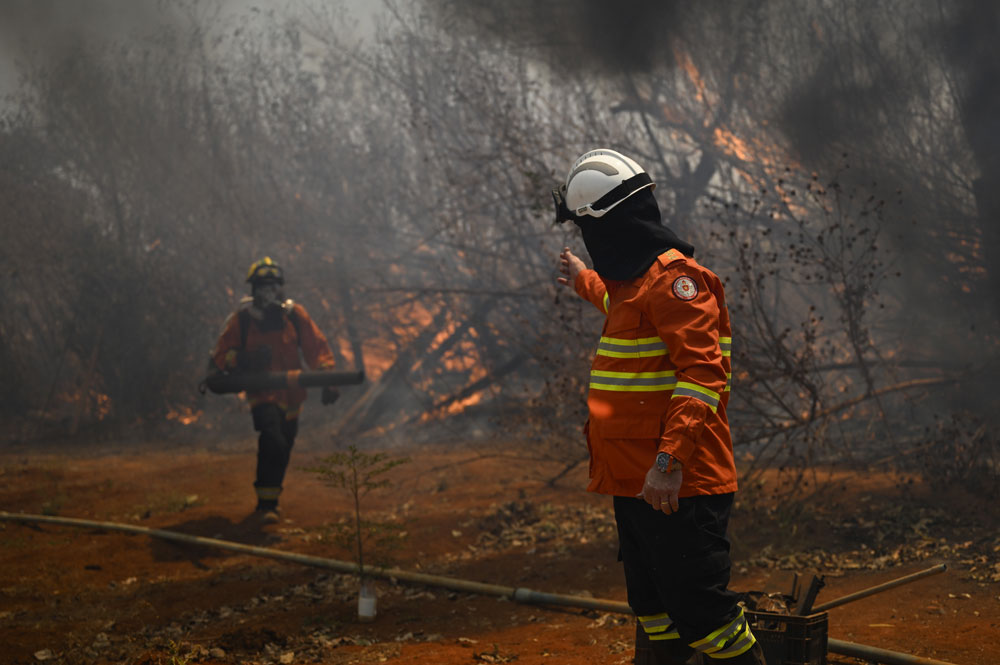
[655, 622]
[629, 343]
[726, 344]
[685, 389]
[659, 626]
[741, 645]
[631, 375]
[716, 639]
[717, 646]
[635, 389]
[632, 381]
[652, 617]
[626, 341]
[607, 301]
[631, 354]
[268, 493]
[729, 382]
[644, 347]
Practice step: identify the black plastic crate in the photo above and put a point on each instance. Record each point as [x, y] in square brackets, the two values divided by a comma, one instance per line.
[788, 639]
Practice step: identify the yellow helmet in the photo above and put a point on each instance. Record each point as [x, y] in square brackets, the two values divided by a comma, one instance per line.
[265, 270]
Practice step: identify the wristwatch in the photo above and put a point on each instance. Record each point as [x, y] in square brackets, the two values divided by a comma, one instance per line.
[665, 463]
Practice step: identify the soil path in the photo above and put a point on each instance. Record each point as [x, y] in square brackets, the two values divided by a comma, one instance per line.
[70, 595]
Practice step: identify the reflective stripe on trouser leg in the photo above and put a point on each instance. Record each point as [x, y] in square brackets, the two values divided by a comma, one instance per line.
[659, 627]
[729, 641]
[268, 493]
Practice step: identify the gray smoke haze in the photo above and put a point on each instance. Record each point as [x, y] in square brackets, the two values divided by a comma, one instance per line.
[628, 35]
[971, 43]
[849, 67]
[44, 31]
[890, 83]
[45, 28]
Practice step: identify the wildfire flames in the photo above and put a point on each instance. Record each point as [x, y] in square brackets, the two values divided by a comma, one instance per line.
[184, 415]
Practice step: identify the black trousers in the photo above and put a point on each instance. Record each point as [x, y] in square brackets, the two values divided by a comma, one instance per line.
[679, 563]
[274, 449]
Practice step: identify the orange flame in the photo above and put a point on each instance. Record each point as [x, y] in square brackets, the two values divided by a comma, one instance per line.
[732, 144]
[185, 415]
[93, 402]
[701, 90]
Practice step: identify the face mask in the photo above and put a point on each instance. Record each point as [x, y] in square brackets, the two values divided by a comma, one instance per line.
[625, 242]
[267, 297]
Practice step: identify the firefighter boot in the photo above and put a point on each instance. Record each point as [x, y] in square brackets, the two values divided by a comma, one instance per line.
[267, 511]
[268, 515]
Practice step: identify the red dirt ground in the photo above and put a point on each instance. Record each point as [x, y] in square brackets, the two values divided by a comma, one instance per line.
[72, 595]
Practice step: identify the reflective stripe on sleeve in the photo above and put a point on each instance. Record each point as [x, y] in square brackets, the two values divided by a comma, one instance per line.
[644, 347]
[607, 302]
[632, 381]
[729, 381]
[726, 344]
[685, 389]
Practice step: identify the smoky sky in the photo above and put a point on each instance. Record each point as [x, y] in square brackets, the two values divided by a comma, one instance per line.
[843, 77]
[607, 37]
[48, 29]
[894, 89]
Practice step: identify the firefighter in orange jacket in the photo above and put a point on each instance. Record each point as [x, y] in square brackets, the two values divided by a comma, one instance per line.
[657, 429]
[267, 333]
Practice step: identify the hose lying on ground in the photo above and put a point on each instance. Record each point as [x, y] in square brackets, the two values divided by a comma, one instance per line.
[517, 594]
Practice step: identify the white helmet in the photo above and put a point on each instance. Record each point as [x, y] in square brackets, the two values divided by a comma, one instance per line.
[601, 179]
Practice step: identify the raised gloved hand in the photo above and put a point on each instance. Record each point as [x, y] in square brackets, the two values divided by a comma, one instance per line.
[254, 360]
[330, 395]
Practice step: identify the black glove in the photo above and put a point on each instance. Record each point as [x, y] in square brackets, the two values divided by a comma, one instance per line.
[559, 200]
[330, 395]
[256, 360]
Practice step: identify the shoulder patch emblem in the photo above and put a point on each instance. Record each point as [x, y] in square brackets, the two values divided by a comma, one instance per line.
[685, 288]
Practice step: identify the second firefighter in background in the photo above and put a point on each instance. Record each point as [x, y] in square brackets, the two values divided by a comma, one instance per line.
[269, 333]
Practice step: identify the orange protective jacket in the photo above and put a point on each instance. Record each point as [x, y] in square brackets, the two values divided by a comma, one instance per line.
[660, 378]
[285, 344]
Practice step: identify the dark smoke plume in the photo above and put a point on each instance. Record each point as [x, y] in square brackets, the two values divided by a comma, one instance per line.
[605, 37]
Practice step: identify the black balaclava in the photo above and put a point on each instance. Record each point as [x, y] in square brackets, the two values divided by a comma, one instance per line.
[625, 242]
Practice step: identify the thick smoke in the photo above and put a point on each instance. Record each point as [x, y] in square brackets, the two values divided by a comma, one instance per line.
[842, 67]
[599, 36]
[899, 98]
[45, 30]
[867, 80]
